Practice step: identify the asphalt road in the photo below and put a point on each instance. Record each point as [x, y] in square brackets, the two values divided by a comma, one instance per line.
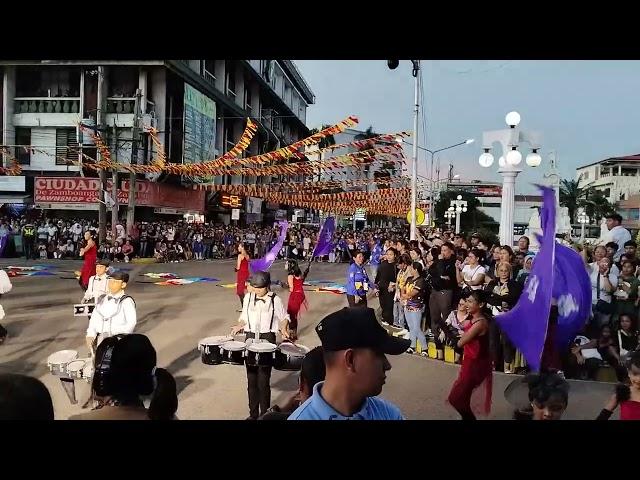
[39, 318]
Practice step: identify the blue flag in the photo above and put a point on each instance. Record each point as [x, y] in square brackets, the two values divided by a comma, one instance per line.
[325, 238]
[526, 323]
[572, 291]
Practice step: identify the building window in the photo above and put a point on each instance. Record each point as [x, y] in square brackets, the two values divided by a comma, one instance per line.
[247, 99]
[66, 146]
[209, 71]
[23, 139]
[230, 78]
[228, 136]
[585, 175]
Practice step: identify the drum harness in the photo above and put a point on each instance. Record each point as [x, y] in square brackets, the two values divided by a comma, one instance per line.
[255, 299]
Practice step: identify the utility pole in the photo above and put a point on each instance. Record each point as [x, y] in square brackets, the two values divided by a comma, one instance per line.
[114, 185]
[134, 158]
[414, 171]
[102, 209]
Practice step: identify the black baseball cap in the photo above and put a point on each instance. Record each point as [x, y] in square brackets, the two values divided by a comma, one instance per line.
[119, 275]
[357, 327]
[260, 279]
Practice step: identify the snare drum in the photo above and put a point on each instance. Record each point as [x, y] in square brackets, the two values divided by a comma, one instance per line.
[211, 349]
[83, 309]
[289, 356]
[58, 361]
[261, 354]
[75, 368]
[233, 352]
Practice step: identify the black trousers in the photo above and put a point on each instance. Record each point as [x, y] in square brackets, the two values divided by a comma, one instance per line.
[259, 383]
[439, 309]
[386, 304]
[351, 299]
[28, 250]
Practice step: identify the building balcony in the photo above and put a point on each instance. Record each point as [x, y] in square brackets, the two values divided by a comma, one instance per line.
[46, 111]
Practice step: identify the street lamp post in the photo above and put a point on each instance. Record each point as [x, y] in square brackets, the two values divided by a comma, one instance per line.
[510, 140]
[459, 206]
[583, 219]
[431, 153]
[449, 214]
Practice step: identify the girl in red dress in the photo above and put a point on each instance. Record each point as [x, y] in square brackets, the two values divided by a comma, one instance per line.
[242, 272]
[297, 299]
[477, 363]
[626, 396]
[90, 254]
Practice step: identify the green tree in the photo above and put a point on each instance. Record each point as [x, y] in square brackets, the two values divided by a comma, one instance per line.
[571, 196]
[596, 205]
[472, 220]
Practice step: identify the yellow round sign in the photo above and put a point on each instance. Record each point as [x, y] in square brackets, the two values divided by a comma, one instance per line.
[420, 216]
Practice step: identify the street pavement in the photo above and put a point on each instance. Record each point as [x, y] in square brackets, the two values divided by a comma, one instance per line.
[39, 318]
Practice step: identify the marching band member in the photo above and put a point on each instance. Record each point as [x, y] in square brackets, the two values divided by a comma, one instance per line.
[263, 315]
[114, 313]
[97, 283]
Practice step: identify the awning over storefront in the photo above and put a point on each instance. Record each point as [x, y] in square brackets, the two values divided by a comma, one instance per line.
[18, 198]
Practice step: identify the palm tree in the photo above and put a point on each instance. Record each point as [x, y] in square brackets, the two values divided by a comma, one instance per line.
[596, 205]
[571, 196]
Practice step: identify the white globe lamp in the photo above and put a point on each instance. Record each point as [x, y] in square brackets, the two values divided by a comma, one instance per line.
[514, 157]
[534, 159]
[512, 119]
[486, 159]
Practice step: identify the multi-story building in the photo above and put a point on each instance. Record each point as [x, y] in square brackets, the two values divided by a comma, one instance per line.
[199, 108]
[617, 178]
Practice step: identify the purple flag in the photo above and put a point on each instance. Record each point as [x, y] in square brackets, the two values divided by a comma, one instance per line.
[572, 291]
[263, 264]
[526, 323]
[325, 243]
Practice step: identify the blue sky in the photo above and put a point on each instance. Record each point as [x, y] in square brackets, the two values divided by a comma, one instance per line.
[585, 110]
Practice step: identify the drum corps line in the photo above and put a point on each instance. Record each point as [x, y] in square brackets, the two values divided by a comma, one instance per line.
[263, 320]
[110, 311]
[263, 317]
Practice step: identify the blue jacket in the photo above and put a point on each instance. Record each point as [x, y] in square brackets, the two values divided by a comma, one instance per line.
[357, 280]
[376, 253]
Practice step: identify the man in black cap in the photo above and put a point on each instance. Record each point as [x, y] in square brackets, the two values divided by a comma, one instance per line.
[354, 346]
[263, 315]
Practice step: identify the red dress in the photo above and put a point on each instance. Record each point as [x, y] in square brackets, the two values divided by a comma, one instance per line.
[89, 266]
[296, 300]
[630, 410]
[242, 277]
[476, 371]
